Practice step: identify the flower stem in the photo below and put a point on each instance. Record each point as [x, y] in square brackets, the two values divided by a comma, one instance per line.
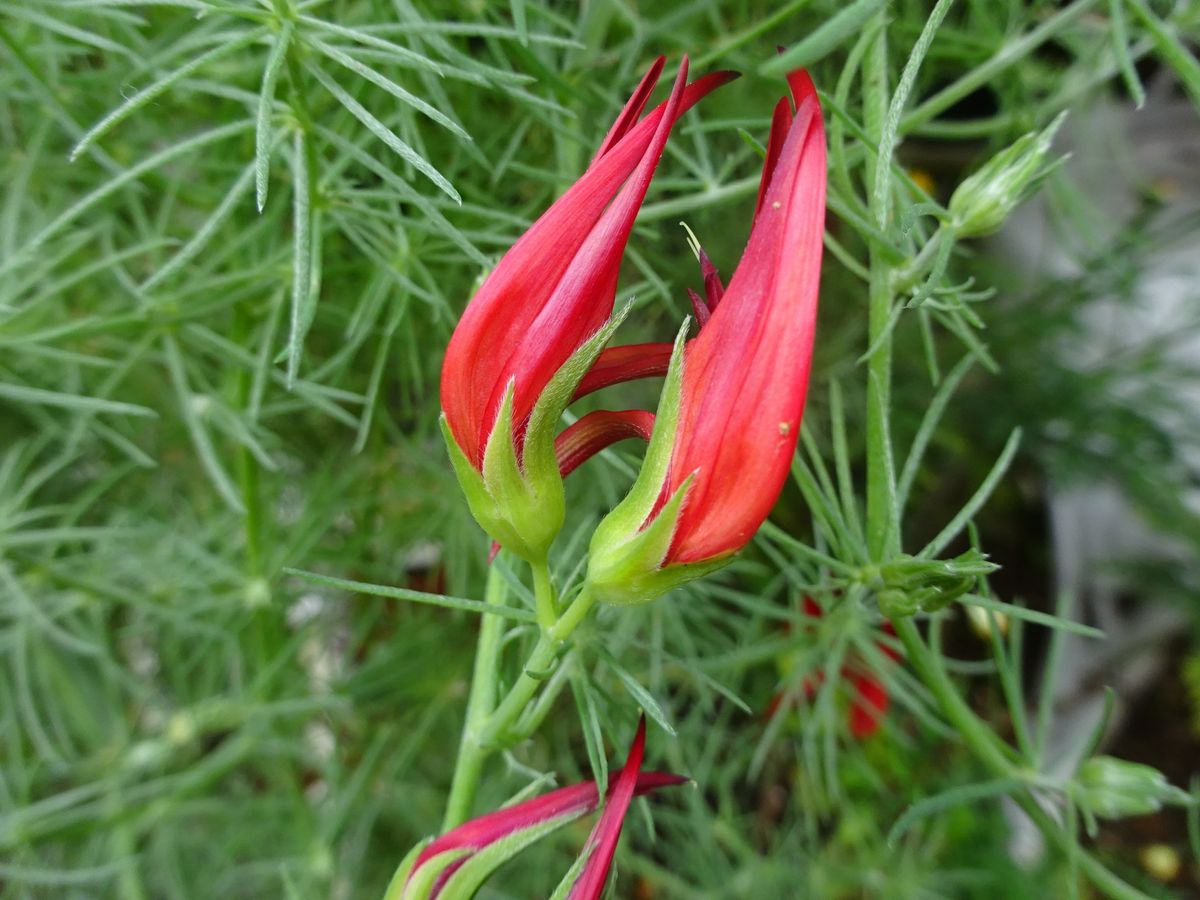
[883, 533]
[880, 491]
[543, 594]
[537, 669]
[469, 766]
[488, 723]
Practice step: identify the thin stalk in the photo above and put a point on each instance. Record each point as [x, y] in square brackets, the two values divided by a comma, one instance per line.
[488, 724]
[543, 595]
[469, 765]
[536, 670]
[879, 366]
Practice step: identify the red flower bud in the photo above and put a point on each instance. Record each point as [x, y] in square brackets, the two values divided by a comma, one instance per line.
[555, 287]
[729, 416]
[538, 323]
[467, 855]
[745, 376]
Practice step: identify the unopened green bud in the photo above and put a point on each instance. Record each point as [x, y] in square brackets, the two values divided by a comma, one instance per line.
[1113, 788]
[985, 199]
[907, 583]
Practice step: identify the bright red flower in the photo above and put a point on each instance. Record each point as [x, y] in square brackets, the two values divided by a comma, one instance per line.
[731, 421]
[555, 287]
[746, 375]
[869, 698]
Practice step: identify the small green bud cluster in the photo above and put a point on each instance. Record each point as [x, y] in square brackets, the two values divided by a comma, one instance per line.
[908, 584]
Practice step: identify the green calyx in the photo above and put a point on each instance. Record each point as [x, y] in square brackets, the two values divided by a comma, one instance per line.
[624, 560]
[521, 503]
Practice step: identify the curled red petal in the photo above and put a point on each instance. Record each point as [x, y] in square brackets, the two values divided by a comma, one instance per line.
[616, 365]
[597, 431]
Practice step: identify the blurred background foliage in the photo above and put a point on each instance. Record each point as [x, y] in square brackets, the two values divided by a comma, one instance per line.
[195, 395]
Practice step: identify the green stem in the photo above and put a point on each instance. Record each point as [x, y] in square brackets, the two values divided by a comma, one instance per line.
[543, 594]
[536, 670]
[488, 724]
[883, 535]
[469, 766]
[879, 366]
[906, 277]
[994, 753]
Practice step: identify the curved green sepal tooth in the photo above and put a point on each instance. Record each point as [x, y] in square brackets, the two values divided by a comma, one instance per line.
[628, 515]
[395, 888]
[563, 891]
[624, 557]
[629, 573]
[501, 471]
[420, 887]
[471, 875]
[480, 500]
[540, 462]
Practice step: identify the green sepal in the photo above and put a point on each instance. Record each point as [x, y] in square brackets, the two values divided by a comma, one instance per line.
[395, 888]
[627, 516]
[563, 891]
[421, 882]
[540, 461]
[624, 558]
[491, 516]
[521, 504]
[471, 875]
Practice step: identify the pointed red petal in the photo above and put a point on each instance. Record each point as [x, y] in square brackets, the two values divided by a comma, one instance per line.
[781, 121]
[713, 289]
[602, 843]
[633, 108]
[802, 87]
[597, 431]
[584, 295]
[616, 365]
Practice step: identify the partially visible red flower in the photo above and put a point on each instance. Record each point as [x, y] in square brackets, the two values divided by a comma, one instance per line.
[442, 859]
[869, 699]
[602, 842]
[746, 375]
